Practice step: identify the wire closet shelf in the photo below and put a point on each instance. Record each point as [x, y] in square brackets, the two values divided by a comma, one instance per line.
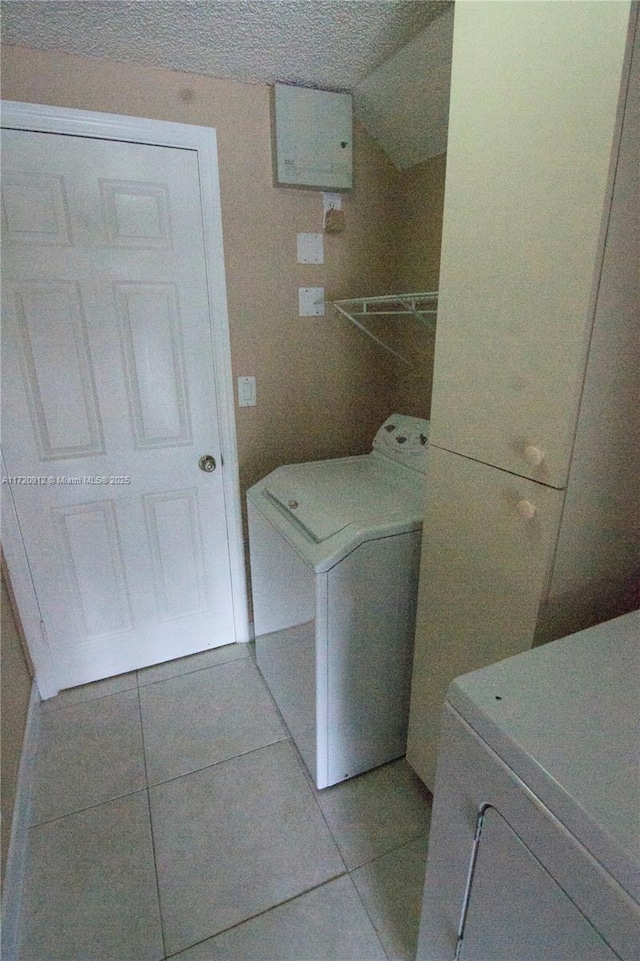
[422, 306]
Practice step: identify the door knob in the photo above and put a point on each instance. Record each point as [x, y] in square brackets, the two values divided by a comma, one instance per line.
[207, 463]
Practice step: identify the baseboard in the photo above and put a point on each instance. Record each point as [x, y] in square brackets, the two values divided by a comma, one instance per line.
[19, 839]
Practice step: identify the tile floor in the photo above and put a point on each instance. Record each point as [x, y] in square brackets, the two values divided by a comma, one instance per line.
[173, 818]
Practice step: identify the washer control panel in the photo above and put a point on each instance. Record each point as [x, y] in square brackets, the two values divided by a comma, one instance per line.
[405, 439]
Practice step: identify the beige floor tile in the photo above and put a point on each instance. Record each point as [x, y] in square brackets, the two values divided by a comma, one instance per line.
[203, 718]
[194, 662]
[90, 692]
[88, 753]
[236, 839]
[391, 891]
[326, 924]
[91, 890]
[376, 812]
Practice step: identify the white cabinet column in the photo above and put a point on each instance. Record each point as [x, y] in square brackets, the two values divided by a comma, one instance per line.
[537, 356]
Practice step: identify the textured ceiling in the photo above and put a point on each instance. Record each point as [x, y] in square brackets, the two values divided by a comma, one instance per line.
[393, 55]
[321, 43]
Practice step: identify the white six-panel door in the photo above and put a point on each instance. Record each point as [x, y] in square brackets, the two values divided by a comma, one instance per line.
[109, 401]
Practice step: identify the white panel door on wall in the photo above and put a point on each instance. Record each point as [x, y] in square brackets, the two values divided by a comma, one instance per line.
[109, 401]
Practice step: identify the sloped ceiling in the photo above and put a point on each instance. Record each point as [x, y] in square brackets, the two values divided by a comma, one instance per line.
[404, 103]
[331, 44]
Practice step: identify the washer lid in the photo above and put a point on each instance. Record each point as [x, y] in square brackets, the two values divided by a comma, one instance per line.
[326, 496]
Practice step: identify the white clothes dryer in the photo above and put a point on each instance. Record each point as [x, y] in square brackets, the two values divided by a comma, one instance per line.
[533, 848]
[335, 549]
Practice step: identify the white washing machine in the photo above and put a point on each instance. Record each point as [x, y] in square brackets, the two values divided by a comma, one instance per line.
[534, 846]
[335, 549]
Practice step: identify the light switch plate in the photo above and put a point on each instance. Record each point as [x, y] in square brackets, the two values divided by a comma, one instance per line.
[246, 392]
[311, 301]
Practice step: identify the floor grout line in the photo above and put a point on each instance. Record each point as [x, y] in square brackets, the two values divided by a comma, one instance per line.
[153, 839]
[195, 670]
[366, 910]
[259, 914]
[45, 711]
[224, 760]
[89, 807]
[138, 685]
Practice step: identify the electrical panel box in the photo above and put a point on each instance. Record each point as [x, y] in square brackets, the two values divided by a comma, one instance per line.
[312, 133]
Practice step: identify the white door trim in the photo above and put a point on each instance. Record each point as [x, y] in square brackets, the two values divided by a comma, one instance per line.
[203, 140]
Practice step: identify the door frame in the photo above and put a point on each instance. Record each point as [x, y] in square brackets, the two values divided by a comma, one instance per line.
[160, 133]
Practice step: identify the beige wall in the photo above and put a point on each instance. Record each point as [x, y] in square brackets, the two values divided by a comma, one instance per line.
[322, 389]
[420, 207]
[15, 693]
[420, 230]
